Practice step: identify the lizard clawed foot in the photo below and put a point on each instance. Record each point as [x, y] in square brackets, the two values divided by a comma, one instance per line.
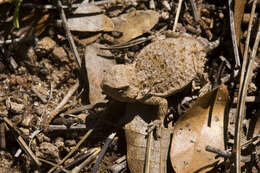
[155, 126]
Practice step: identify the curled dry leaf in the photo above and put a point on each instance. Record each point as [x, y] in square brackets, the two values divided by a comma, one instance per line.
[200, 126]
[134, 24]
[96, 66]
[138, 117]
[92, 22]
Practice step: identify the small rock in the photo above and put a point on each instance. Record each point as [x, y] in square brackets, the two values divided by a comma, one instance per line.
[60, 54]
[70, 143]
[14, 107]
[41, 138]
[59, 142]
[45, 46]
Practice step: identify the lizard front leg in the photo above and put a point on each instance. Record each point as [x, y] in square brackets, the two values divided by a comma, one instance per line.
[162, 104]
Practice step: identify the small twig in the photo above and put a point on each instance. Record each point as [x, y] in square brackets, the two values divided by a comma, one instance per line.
[2, 135]
[103, 151]
[151, 4]
[21, 141]
[251, 141]
[48, 6]
[245, 77]
[63, 127]
[73, 150]
[56, 111]
[83, 108]
[86, 162]
[244, 82]
[225, 153]
[55, 165]
[68, 33]
[222, 153]
[21, 39]
[38, 94]
[177, 16]
[76, 161]
[233, 34]
[11, 41]
[194, 11]
[227, 63]
[148, 149]
[119, 165]
[228, 77]
[251, 99]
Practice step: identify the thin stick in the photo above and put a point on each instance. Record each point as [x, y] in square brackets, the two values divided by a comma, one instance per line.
[55, 165]
[233, 34]
[73, 150]
[21, 142]
[83, 108]
[86, 162]
[78, 160]
[244, 80]
[63, 127]
[222, 153]
[177, 15]
[56, 111]
[148, 149]
[68, 33]
[48, 6]
[103, 151]
[194, 11]
[38, 94]
[241, 103]
[2, 135]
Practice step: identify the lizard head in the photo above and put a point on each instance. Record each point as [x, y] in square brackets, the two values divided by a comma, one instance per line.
[119, 83]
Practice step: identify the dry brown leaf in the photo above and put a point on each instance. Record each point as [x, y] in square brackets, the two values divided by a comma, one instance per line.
[134, 24]
[33, 22]
[95, 23]
[87, 8]
[96, 67]
[41, 24]
[138, 117]
[192, 134]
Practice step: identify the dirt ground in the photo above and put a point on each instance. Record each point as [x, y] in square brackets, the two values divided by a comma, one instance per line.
[53, 112]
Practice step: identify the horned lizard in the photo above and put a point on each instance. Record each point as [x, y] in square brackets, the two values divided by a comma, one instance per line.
[160, 69]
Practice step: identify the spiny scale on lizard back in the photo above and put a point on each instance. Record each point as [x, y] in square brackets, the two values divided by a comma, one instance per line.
[170, 64]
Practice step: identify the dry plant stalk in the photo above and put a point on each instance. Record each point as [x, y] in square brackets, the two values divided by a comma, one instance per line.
[46, 121]
[177, 15]
[21, 142]
[73, 150]
[245, 77]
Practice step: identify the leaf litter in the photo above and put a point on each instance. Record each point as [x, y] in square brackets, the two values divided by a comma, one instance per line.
[38, 81]
[202, 125]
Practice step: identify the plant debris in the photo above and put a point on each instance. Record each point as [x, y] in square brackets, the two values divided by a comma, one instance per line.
[129, 86]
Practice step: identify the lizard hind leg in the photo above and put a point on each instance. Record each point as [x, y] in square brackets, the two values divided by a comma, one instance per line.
[162, 104]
